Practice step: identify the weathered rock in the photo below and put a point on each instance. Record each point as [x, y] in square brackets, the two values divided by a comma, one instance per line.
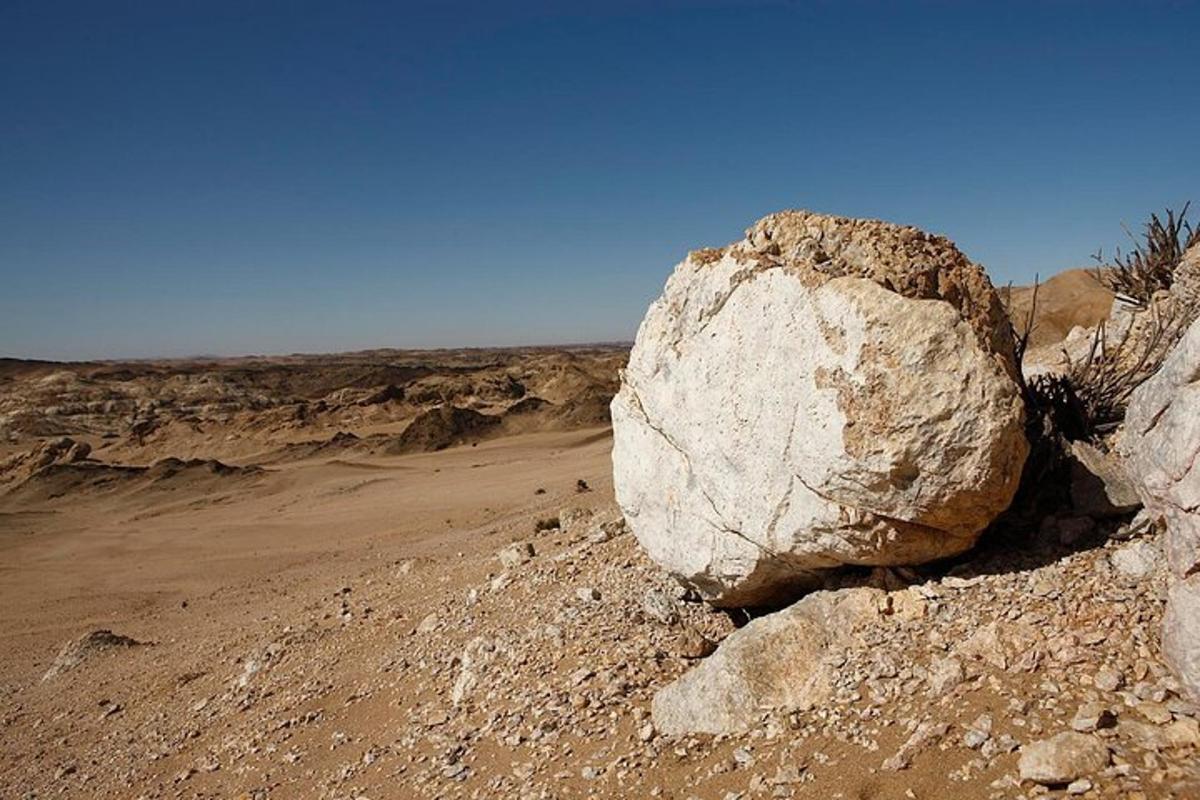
[1186, 288]
[945, 674]
[926, 735]
[1062, 758]
[692, 644]
[1162, 447]
[775, 662]
[825, 392]
[473, 662]
[1137, 560]
[1000, 644]
[1108, 679]
[1092, 716]
[77, 651]
[1099, 485]
[63, 450]
[574, 521]
[658, 606]
[1180, 733]
[516, 554]
[1181, 632]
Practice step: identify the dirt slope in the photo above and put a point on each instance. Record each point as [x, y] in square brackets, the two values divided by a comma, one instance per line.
[1067, 300]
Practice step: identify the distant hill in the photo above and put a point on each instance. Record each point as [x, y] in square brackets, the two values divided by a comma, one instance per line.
[1069, 299]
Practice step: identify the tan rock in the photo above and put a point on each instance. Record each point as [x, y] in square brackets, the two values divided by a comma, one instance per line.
[779, 661]
[1062, 758]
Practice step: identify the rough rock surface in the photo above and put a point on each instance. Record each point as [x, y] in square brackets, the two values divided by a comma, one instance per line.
[62, 450]
[824, 392]
[777, 662]
[1062, 758]
[1162, 446]
[1186, 288]
[1100, 486]
[77, 651]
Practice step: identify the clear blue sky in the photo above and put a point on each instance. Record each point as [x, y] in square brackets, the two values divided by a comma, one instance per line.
[236, 177]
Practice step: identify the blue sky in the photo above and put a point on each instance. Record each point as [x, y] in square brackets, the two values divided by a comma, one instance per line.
[211, 177]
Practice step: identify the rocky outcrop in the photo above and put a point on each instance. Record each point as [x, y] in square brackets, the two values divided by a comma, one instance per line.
[1162, 447]
[777, 662]
[826, 391]
[63, 450]
[77, 651]
[442, 427]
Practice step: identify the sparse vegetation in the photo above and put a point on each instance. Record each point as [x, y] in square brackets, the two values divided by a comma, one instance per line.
[1116, 365]
[1090, 398]
[1150, 266]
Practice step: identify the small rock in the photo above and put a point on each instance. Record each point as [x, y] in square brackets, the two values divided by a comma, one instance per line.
[986, 645]
[1137, 560]
[516, 554]
[926, 735]
[1108, 679]
[79, 650]
[945, 674]
[1062, 758]
[657, 605]
[692, 644]
[1099, 485]
[1157, 713]
[1092, 716]
[573, 521]
[978, 732]
[1081, 786]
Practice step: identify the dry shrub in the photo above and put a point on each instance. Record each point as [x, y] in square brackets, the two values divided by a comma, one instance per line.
[1150, 266]
[1104, 379]
[1090, 399]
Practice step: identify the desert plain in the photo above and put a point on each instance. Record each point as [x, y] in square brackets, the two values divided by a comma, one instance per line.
[402, 574]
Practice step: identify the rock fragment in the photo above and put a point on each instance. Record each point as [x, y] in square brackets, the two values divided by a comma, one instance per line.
[516, 554]
[774, 662]
[1062, 759]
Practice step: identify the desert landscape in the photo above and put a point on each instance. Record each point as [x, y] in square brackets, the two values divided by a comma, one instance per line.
[652, 400]
[454, 574]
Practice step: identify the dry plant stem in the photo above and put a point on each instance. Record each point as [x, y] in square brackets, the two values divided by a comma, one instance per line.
[1150, 267]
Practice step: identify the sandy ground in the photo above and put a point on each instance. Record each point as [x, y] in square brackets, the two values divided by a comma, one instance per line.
[337, 622]
[137, 557]
[197, 569]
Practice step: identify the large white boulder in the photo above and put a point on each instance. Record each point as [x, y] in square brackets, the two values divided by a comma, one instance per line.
[1161, 443]
[825, 392]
